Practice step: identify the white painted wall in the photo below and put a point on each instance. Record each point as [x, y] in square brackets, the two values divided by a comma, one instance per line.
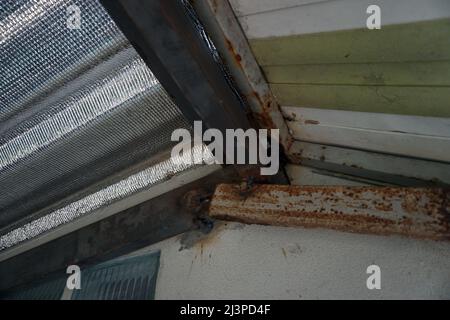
[410, 136]
[239, 261]
[274, 18]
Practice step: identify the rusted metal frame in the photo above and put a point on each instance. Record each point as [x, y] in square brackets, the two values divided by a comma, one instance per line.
[415, 212]
[172, 213]
[225, 31]
[168, 41]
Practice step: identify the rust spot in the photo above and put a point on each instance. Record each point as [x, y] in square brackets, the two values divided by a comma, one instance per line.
[197, 239]
[384, 206]
[236, 56]
[264, 120]
[211, 238]
[195, 201]
[410, 203]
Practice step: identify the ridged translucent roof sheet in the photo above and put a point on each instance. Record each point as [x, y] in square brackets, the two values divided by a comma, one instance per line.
[78, 108]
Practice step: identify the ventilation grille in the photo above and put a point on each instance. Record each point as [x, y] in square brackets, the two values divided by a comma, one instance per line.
[124, 279]
[43, 290]
[132, 278]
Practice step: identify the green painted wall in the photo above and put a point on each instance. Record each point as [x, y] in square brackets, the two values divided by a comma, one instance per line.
[423, 101]
[400, 69]
[436, 73]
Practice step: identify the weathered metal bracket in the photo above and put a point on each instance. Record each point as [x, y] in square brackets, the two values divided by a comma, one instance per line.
[414, 212]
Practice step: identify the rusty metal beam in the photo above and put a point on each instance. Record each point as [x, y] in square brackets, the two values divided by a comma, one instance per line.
[414, 212]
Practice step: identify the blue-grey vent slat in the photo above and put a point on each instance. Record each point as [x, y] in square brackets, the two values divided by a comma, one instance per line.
[131, 278]
[42, 290]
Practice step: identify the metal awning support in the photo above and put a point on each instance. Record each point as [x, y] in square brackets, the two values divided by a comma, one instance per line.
[415, 212]
[173, 48]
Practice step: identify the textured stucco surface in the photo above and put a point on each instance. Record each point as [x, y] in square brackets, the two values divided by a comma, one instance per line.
[239, 261]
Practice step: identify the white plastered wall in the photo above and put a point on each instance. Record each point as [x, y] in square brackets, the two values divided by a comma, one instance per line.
[239, 261]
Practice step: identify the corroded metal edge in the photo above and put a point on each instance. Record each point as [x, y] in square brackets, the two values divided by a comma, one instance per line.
[225, 31]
